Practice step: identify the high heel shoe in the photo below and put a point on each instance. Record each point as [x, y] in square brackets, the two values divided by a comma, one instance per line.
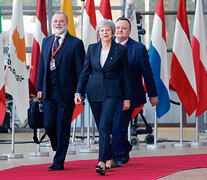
[108, 168]
[100, 170]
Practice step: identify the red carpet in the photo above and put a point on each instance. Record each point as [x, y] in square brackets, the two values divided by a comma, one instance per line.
[144, 168]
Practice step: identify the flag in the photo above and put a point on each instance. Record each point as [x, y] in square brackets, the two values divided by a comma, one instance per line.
[136, 111]
[67, 8]
[130, 13]
[2, 79]
[182, 75]
[105, 10]
[89, 24]
[40, 33]
[16, 72]
[200, 58]
[158, 60]
[78, 109]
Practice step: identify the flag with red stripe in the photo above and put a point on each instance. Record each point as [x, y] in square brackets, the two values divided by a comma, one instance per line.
[89, 24]
[158, 60]
[200, 58]
[136, 111]
[40, 33]
[182, 76]
[2, 78]
[105, 10]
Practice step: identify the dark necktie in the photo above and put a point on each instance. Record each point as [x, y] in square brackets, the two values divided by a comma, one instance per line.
[56, 45]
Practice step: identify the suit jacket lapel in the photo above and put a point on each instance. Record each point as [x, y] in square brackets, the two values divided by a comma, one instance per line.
[62, 50]
[48, 51]
[113, 52]
[128, 42]
[97, 56]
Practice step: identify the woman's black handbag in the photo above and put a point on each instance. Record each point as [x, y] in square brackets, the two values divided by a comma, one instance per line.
[35, 119]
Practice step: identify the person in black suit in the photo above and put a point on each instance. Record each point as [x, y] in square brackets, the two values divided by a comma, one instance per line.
[106, 63]
[61, 62]
[139, 67]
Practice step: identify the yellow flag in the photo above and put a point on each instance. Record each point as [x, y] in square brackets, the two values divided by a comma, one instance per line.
[67, 8]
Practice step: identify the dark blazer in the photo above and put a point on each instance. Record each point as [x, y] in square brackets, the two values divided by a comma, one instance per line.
[139, 67]
[110, 81]
[69, 62]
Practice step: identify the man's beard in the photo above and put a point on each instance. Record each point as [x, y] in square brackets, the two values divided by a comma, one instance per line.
[60, 31]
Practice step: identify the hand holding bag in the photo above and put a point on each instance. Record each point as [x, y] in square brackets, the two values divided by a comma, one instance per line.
[35, 119]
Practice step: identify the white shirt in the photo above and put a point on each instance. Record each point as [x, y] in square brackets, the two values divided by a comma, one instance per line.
[61, 38]
[103, 57]
[123, 42]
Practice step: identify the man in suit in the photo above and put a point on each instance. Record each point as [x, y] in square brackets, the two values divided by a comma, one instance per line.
[139, 66]
[60, 65]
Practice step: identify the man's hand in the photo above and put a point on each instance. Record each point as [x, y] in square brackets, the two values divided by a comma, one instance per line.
[154, 101]
[125, 105]
[78, 99]
[39, 94]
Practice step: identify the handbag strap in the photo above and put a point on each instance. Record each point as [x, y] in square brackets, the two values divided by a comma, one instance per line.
[36, 139]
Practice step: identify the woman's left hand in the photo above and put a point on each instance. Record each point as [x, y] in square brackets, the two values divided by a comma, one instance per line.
[126, 105]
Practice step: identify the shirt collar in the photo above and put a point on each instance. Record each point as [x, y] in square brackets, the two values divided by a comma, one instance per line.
[62, 35]
[123, 42]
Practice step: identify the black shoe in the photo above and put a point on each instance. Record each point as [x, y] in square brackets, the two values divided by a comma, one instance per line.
[55, 167]
[125, 159]
[117, 163]
[100, 170]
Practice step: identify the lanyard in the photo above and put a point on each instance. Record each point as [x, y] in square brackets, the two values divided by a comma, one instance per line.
[53, 53]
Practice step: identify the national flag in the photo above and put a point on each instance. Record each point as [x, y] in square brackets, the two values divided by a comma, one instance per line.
[130, 13]
[158, 60]
[182, 75]
[67, 8]
[2, 79]
[136, 111]
[40, 33]
[16, 72]
[200, 58]
[105, 10]
[89, 24]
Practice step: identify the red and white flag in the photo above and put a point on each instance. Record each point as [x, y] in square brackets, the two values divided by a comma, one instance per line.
[16, 72]
[105, 10]
[182, 76]
[40, 33]
[130, 13]
[89, 24]
[2, 79]
[200, 58]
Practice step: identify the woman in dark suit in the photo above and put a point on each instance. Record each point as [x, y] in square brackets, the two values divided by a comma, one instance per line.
[106, 63]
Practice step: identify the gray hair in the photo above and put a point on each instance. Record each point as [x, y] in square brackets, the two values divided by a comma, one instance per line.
[62, 12]
[105, 22]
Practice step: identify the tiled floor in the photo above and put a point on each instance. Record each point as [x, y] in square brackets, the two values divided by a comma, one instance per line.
[169, 134]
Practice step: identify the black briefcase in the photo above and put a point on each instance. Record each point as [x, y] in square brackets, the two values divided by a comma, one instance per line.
[35, 119]
[35, 115]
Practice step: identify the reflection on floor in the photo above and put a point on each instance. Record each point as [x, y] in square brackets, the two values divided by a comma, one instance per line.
[168, 136]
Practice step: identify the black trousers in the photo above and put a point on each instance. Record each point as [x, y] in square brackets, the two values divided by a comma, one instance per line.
[57, 123]
[120, 144]
[103, 113]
